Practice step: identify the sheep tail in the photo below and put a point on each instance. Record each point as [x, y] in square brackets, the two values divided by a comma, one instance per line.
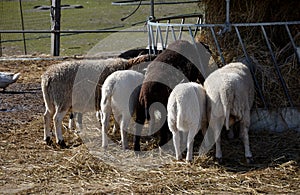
[180, 118]
[45, 89]
[173, 116]
[227, 116]
[226, 99]
[107, 93]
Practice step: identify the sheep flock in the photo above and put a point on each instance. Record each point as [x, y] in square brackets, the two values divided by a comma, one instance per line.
[180, 89]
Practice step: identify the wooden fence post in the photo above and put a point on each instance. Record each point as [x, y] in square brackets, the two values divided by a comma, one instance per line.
[0, 46]
[55, 26]
[152, 17]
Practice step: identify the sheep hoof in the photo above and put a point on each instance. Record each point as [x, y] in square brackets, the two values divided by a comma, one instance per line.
[62, 144]
[220, 161]
[138, 153]
[125, 148]
[188, 161]
[48, 141]
[137, 148]
[230, 135]
[250, 160]
[77, 131]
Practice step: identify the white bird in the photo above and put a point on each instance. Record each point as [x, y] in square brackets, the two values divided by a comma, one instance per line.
[7, 78]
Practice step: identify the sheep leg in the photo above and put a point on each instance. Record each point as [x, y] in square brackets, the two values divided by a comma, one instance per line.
[218, 150]
[115, 128]
[176, 142]
[176, 137]
[47, 132]
[137, 137]
[230, 134]
[184, 136]
[57, 120]
[123, 129]
[77, 118]
[245, 138]
[105, 124]
[140, 120]
[190, 142]
[79, 122]
[98, 115]
[215, 125]
[152, 126]
[164, 134]
[71, 120]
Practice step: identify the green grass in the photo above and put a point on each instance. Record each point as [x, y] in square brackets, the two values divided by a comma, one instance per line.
[96, 14]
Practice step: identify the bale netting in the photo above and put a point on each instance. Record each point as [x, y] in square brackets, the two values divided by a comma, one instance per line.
[242, 11]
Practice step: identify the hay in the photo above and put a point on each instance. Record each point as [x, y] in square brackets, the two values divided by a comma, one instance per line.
[254, 11]
[43, 169]
[242, 11]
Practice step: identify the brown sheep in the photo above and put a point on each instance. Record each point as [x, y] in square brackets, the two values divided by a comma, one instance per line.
[76, 85]
[180, 62]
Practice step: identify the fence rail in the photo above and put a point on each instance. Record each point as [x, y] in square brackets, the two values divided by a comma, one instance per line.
[121, 3]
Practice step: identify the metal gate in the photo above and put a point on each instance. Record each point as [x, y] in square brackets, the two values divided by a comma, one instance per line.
[163, 31]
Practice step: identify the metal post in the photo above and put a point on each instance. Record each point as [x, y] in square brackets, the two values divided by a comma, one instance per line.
[152, 17]
[283, 84]
[217, 45]
[292, 42]
[181, 28]
[0, 46]
[167, 35]
[199, 20]
[55, 27]
[249, 61]
[22, 23]
[227, 11]
[227, 22]
[0, 32]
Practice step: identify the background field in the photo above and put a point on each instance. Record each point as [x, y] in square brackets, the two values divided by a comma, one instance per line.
[95, 15]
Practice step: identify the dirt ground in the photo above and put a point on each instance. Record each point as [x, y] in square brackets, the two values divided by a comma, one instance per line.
[28, 165]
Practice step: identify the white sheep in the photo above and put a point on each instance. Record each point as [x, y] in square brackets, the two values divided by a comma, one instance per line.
[187, 113]
[230, 95]
[119, 96]
[76, 85]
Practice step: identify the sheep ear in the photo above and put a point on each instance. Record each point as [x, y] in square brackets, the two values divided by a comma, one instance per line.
[144, 70]
[206, 46]
[250, 63]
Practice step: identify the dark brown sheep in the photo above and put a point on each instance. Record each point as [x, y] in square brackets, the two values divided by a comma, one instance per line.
[180, 62]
